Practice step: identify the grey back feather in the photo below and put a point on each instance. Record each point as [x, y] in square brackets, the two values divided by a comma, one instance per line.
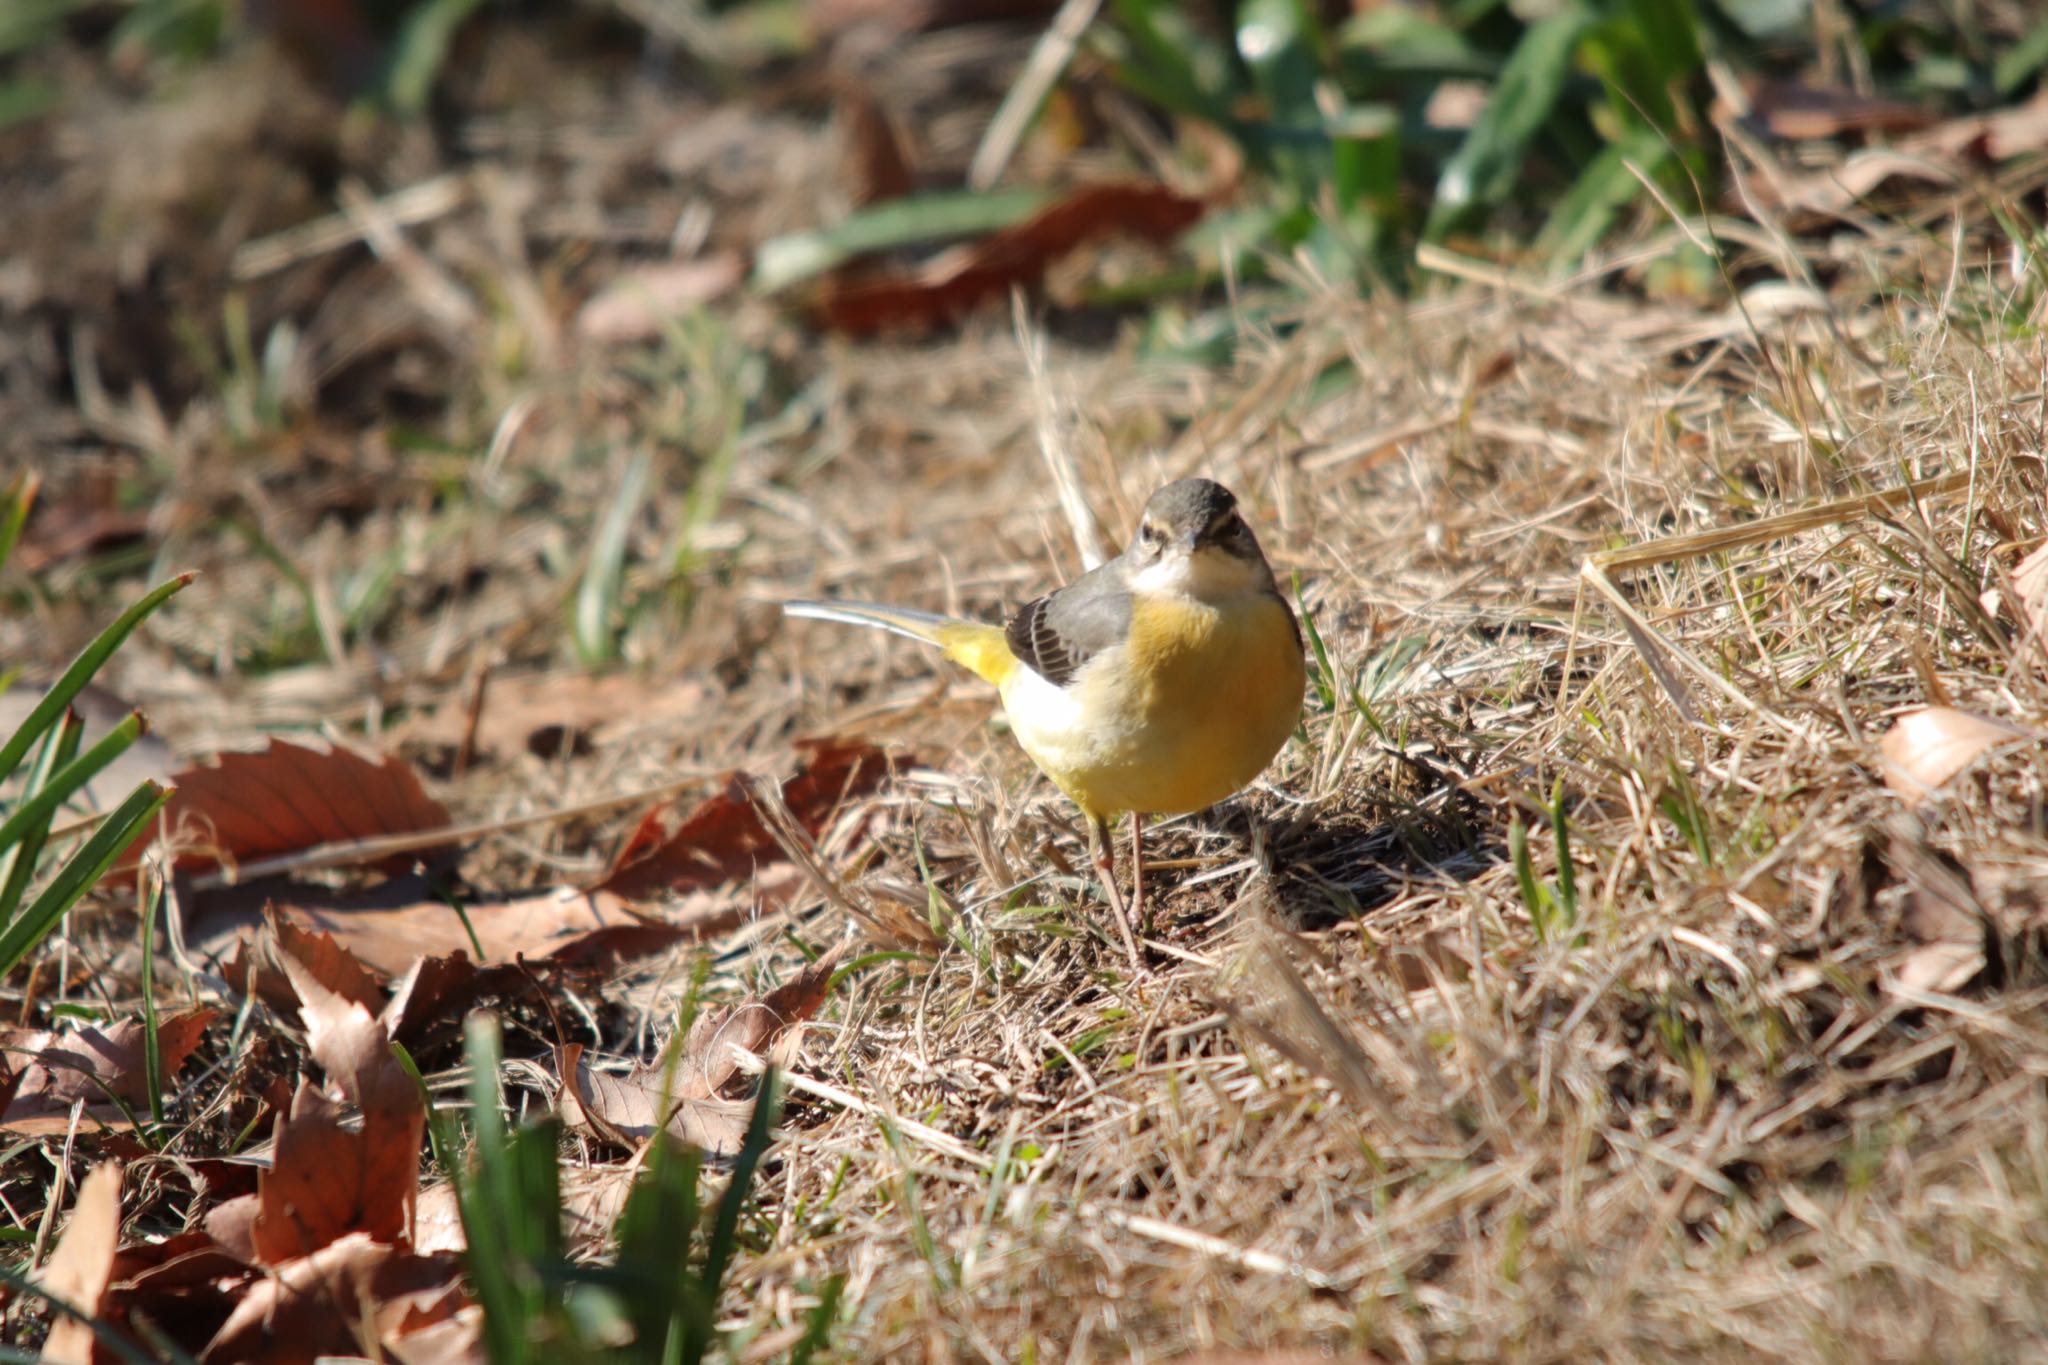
[1058, 633]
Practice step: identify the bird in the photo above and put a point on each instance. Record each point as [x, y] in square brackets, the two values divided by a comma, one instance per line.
[1158, 683]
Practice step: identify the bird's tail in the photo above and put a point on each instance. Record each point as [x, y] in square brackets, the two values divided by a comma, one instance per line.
[981, 648]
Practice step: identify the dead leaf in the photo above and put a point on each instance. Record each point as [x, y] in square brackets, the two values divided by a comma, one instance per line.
[708, 1061]
[289, 798]
[685, 1099]
[723, 838]
[1947, 153]
[1927, 747]
[628, 1110]
[89, 1063]
[316, 952]
[1954, 935]
[644, 299]
[2030, 586]
[81, 1267]
[1796, 112]
[945, 289]
[326, 1181]
[878, 167]
[354, 1294]
[391, 927]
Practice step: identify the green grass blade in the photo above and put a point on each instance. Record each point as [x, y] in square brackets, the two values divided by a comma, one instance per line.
[421, 50]
[912, 221]
[482, 1201]
[2012, 70]
[725, 1227]
[1484, 168]
[81, 672]
[18, 862]
[85, 867]
[14, 515]
[818, 1326]
[598, 597]
[152, 1048]
[69, 778]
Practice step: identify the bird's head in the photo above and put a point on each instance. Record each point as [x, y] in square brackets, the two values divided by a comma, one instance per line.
[1191, 540]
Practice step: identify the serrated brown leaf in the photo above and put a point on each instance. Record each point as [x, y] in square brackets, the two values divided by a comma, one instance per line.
[288, 798]
[326, 1181]
[315, 950]
[55, 1070]
[82, 1266]
[723, 837]
[947, 288]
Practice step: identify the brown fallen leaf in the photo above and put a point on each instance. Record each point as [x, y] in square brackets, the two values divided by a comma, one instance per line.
[724, 838]
[354, 1294]
[1799, 112]
[430, 989]
[326, 1181]
[945, 289]
[2030, 587]
[708, 1062]
[878, 168]
[1955, 938]
[1927, 747]
[289, 798]
[184, 1285]
[389, 928]
[684, 1098]
[53, 1071]
[81, 1268]
[628, 1109]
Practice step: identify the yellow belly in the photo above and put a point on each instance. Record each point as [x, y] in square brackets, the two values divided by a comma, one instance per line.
[1185, 713]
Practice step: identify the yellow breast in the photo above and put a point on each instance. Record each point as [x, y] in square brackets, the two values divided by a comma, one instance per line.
[1185, 713]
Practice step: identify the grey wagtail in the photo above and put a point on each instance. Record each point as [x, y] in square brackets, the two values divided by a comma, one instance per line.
[1160, 682]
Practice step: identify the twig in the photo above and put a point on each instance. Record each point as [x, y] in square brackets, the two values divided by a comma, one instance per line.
[1059, 459]
[1055, 48]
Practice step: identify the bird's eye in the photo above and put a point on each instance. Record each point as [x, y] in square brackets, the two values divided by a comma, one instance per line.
[1148, 534]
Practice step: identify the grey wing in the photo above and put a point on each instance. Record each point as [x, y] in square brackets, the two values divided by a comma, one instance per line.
[1058, 633]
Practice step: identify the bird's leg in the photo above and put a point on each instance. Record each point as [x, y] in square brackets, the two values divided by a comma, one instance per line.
[1137, 906]
[1102, 847]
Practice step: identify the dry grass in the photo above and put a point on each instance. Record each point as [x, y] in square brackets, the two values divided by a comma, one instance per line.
[1364, 1105]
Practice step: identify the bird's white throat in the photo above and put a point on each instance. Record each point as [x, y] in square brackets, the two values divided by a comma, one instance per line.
[1207, 575]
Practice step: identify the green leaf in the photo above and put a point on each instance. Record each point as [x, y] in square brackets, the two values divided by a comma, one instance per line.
[80, 673]
[2020, 62]
[85, 867]
[912, 221]
[18, 861]
[21, 497]
[422, 50]
[1276, 38]
[595, 623]
[1603, 189]
[69, 779]
[725, 1227]
[1484, 168]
